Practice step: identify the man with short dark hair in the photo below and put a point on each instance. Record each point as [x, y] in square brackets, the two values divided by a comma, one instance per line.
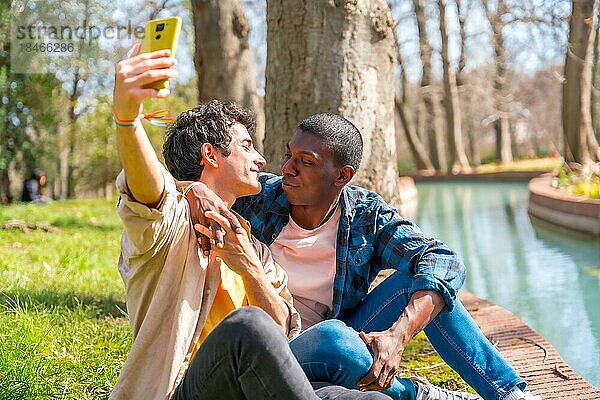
[203, 327]
[333, 239]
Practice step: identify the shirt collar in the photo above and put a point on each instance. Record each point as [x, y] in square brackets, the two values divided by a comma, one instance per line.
[348, 202]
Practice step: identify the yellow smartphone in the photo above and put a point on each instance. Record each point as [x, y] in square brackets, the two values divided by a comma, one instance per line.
[161, 34]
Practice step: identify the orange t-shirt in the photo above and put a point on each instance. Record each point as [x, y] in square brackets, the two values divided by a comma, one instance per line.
[230, 296]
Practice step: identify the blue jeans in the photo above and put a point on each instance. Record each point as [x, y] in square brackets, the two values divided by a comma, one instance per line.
[332, 350]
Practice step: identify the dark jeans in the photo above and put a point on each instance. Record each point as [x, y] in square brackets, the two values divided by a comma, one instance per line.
[248, 357]
[341, 393]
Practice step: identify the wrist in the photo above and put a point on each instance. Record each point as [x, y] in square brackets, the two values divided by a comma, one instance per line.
[401, 331]
[253, 272]
[180, 185]
[124, 121]
[127, 112]
[186, 189]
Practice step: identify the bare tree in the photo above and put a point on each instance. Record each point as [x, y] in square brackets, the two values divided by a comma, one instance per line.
[68, 137]
[596, 79]
[223, 59]
[407, 113]
[540, 95]
[457, 161]
[338, 57]
[472, 133]
[67, 169]
[414, 142]
[546, 19]
[576, 108]
[429, 93]
[502, 95]
[462, 17]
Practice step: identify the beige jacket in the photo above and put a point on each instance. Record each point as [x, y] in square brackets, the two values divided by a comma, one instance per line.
[170, 289]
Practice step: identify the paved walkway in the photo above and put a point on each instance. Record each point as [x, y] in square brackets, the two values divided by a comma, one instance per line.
[532, 356]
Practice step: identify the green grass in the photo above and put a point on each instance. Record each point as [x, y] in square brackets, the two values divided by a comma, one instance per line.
[63, 330]
[420, 359]
[64, 333]
[534, 164]
[408, 167]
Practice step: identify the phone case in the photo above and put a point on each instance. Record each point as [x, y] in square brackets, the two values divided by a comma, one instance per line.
[161, 34]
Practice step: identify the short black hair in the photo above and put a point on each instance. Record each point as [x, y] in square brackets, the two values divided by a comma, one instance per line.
[206, 123]
[340, 136]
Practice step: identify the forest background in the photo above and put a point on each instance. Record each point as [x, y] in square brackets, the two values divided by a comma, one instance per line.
[437, 86]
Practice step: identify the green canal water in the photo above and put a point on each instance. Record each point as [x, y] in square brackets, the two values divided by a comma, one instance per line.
[548, 277]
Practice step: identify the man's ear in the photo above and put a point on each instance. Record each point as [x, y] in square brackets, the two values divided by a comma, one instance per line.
[209, 155]
[346, 173]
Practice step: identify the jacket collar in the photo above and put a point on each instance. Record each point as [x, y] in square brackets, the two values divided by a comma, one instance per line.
[348, 202]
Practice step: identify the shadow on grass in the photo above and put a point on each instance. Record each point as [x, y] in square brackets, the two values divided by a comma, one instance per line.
[67, 221]
[94, 306]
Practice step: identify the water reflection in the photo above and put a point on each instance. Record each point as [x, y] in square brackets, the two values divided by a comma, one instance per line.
[550, 279]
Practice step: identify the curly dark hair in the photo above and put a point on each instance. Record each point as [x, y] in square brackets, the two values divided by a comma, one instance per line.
[206, 123]
[340, 136]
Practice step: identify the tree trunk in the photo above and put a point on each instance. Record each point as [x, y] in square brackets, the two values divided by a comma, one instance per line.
[223, 59]
[501, 94]
[473, 140]
[596, 78]
[71, 136]
[61, 162]
[7, 155]
[337, 57]
[587, 100]
[460, 81]
[414, 142]
[502, 125]
[70, 166]
[416, 147]
[457, 161]
[5, 194]
[472, 130]
[577, 87]
[429, 92]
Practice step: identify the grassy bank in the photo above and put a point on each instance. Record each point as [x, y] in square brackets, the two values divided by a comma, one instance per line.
[63, 326]
[64, 330]
[536, 164]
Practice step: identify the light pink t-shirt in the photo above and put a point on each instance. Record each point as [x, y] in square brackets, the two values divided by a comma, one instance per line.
[308, 256]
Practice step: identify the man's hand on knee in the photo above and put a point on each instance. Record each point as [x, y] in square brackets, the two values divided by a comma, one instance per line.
[387, 353]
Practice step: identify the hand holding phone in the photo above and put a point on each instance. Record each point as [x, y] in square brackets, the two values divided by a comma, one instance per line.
[161, 34]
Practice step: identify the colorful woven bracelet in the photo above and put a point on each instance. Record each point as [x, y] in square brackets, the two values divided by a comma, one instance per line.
[189, 187]
[122, 122]
[158, 118]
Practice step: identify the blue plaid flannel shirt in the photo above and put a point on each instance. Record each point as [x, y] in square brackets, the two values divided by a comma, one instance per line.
[372, 236]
